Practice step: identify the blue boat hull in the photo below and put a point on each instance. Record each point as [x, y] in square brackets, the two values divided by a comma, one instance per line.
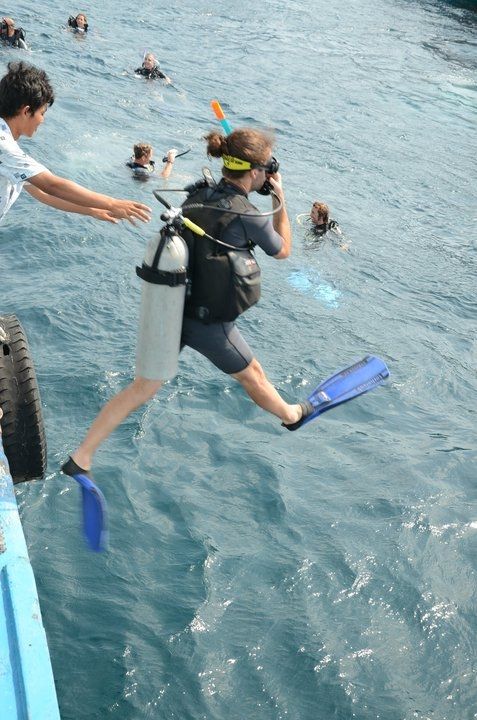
[27, 688]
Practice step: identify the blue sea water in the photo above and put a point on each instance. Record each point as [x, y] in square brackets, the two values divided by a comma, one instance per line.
[253, 573]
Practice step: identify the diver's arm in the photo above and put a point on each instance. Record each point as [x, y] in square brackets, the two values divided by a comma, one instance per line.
[171, 156]
[159, 74]
[281, 223]
[70, 191]
[66, 206]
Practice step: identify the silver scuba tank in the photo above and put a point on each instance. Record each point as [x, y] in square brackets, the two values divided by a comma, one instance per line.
[162, 306]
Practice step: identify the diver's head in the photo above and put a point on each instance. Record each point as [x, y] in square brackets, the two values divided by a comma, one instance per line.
[149, 61]
[81, 21]
[319, 213]
[246, 154]
[143, 153]
[9, 26]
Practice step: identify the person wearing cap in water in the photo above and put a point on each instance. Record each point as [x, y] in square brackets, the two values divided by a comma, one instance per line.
[142, 164]
[248, 166]
[150, 69]
[25, 96]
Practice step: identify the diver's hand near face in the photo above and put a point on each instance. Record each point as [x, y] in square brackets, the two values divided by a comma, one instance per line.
[275, 181]
[281, 223]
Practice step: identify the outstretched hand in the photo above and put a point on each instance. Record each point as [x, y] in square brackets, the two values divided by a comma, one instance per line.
[129, 210]
[106, 215]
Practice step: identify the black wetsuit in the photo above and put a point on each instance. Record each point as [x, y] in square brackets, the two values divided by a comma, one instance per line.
[16, 40]
[141, 171]
[154, 74]
[322, 228]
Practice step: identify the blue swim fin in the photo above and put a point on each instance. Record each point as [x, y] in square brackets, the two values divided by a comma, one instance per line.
[94, 513]
[364, 375]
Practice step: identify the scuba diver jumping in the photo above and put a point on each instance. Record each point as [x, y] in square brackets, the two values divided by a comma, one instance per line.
[223, 281]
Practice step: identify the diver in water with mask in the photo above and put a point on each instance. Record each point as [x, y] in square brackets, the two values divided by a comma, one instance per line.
[211, 305]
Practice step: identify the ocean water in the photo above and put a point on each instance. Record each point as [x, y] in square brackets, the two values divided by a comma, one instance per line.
[253, 573]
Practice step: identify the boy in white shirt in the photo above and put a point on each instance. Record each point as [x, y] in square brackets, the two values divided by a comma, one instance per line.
[25, 95]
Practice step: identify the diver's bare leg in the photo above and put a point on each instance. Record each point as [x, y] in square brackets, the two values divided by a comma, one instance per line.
[112, 415]
[261, 391]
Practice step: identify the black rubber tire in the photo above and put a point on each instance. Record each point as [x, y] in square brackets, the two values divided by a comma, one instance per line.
[22, 422]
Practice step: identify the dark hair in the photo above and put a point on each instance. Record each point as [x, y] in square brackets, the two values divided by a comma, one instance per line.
[244, 143]
[24, 85]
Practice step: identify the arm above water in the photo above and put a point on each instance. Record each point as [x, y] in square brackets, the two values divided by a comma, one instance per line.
[171, 156]
[67, 206]
[70, 191]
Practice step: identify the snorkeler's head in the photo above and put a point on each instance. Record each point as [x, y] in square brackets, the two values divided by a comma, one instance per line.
[24, 85]
[149, 61]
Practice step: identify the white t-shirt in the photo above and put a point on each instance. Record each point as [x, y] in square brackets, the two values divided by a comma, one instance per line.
[15, 167]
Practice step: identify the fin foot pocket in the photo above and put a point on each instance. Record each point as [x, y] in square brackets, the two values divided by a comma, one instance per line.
[306, 410]
[71, 468]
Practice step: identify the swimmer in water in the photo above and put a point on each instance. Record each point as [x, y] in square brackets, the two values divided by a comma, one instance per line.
[319, 216]
[78, 24]
[143, 166]
[10, 35]
[319, 223]
[150, 69]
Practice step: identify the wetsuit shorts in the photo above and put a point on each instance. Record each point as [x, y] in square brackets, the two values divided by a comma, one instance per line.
[220, 342]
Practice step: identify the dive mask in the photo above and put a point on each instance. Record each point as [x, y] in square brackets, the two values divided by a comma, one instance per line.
[271, 168]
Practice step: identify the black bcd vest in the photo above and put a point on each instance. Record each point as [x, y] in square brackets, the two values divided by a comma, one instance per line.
[223, 282]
